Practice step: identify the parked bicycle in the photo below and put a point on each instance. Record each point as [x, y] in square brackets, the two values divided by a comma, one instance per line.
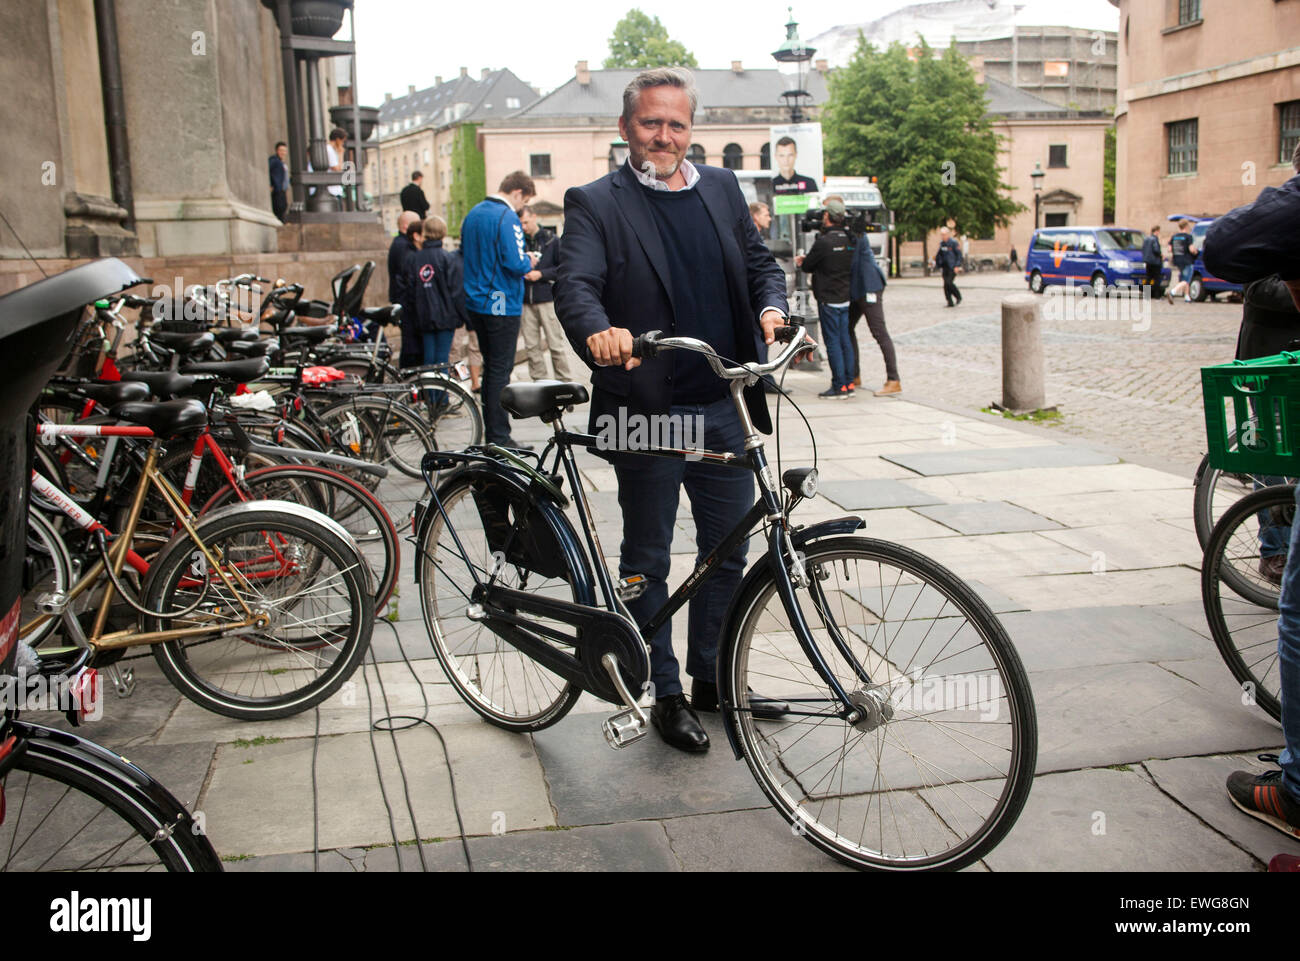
[910, 740]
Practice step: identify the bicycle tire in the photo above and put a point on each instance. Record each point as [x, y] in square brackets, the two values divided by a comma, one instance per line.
[302, 537]
[48, 569]
[1249, 644]
[944, 835]
[57, 770]
[458, 424]
[1212, 496]
[366, 520]
[478, 664]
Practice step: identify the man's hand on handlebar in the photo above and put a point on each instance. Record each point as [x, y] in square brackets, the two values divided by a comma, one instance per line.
[770, 321]
[613, 347]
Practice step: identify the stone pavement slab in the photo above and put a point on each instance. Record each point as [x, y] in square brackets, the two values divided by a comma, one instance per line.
[1054, 592]
[984, 459]
[1133, 546]
[1198, 783]
[1087, 637]
[1050, 481]
[1110, 820]
[744, 841]
[863, 495]
[634, 846]
[1106, 507]
[1127, 713]
[592, 784]
[988, 517]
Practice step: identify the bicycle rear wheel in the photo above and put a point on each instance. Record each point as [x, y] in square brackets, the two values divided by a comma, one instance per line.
[939, 765]
[71, 805]
[1218, 490]
[287, 562]
[1241, 593]
[456, 421]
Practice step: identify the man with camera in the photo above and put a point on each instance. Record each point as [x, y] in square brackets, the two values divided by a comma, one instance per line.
[831, 264]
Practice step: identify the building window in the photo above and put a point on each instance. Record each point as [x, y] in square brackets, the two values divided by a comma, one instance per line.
[1056, 155]
[1182, 146]
[1056, 69]
[696, 154]
[1289, 114]
[1067, 241]
[765, 157]
[733, 158]
[512, 103]
[539, 164]
[1189, 11]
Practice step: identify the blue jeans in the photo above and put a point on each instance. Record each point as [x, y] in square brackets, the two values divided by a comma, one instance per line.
[1273, 537]
[498, 337]
[839, 347]
[648, 491]
[437, 348]
[1288, 652]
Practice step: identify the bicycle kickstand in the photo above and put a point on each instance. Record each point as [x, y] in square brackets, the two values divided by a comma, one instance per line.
[625, 727]
[123, 679]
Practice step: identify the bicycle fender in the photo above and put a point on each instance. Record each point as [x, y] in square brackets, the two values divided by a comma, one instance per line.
[551, 513]
[80, 754]
[759, 569]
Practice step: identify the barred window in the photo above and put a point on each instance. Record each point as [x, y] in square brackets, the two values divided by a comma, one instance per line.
[1182, 146]
[1289, 129]
[1189, 11]
[539, 165]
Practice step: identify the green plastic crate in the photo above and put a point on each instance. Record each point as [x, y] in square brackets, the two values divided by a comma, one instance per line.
[1252, 415]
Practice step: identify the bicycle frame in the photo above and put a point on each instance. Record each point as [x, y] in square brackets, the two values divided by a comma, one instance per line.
[120, 553]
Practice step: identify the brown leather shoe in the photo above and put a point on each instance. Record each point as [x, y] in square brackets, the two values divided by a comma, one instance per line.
[891, 387]
[857, 381]
[1273, 568]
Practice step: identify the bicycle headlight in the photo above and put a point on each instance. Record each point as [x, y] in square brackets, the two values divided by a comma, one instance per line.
[809, 486]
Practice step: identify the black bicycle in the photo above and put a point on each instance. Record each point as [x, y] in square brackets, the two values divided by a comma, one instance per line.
[910, 738]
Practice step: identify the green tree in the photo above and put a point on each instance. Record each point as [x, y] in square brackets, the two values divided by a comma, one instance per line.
[641, 42]
[1108, 185]
[468, 176]
[922, 128]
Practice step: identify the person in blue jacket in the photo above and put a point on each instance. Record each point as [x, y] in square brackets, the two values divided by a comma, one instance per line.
[496, 260]
[436, 294]
[867, 299]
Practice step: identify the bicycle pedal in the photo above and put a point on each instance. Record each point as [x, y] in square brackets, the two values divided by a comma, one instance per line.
[624, 728]
[632, 587]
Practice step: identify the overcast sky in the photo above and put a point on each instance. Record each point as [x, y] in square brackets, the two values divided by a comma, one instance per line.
[402, 43]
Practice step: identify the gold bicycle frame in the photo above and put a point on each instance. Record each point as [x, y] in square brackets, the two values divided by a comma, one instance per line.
[117, 558]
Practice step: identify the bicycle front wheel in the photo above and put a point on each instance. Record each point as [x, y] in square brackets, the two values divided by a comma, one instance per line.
[71, 805]
[939, 763]
[1218, 490]
[1241, 582]
[311, 584]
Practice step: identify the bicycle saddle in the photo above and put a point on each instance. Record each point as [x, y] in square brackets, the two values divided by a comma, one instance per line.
[115, 392]
[164, 384]
[232, 371]
[542, 397]
[229, 335]
[166, 418]
[185, 343]
[388, 314]
[241, 349]
[309, 335]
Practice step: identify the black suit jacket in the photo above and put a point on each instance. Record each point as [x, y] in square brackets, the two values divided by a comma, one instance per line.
[614, 273]
[413, 199]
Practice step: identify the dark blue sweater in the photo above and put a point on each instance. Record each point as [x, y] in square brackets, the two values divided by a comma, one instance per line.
[701, 301]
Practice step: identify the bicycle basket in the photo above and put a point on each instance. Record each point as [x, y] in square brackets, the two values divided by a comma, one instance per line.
[1252, 415]
[514, 526]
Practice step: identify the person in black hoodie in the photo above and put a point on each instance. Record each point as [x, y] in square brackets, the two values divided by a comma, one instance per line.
[435, 291]
[830, 262]
[539, 318]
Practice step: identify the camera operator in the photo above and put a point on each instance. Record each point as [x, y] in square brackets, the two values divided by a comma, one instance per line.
[831, 263]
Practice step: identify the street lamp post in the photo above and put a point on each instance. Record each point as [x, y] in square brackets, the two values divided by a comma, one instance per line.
[1037, 176]
[618, 153]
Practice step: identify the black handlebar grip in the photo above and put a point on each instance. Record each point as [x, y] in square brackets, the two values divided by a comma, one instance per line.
[646, 346]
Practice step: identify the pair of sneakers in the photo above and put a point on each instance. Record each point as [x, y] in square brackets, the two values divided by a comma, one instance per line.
[838, 392]
[1262, 796]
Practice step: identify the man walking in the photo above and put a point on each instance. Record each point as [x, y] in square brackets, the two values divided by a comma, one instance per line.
[413, 196]
[664, 244]
[1151, 256]
[279, 181]
[539, 322]
[496, 260]
[1182, 252]
[831, 262]
[948, 260]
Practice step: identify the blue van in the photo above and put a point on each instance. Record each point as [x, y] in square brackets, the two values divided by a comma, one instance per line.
[1204, 284]
[1096, 257]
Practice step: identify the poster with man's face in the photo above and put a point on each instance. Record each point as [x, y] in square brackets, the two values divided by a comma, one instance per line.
[797, 159]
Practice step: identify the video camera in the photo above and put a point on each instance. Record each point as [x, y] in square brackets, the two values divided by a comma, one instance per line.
[857, 221]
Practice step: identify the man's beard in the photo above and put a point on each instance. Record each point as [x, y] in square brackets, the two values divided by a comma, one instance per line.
[650, 169]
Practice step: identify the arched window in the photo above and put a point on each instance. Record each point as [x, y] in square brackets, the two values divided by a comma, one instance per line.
[733, 158]
[696, 154]
[765, 157]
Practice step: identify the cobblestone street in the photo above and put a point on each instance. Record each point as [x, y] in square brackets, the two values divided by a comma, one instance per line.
[1117, 381]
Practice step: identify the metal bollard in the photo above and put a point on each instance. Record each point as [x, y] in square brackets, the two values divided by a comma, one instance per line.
[1022, 354]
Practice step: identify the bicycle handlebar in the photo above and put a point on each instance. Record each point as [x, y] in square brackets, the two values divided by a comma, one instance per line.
[647, 346]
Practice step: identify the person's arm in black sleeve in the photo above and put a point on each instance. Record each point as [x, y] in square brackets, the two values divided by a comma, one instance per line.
[549, 265]
[456, 285]
[1257, 240]
[816, 255]
[580, 277]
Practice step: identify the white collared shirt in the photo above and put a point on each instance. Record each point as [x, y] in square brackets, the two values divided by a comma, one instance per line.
[654, 183]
